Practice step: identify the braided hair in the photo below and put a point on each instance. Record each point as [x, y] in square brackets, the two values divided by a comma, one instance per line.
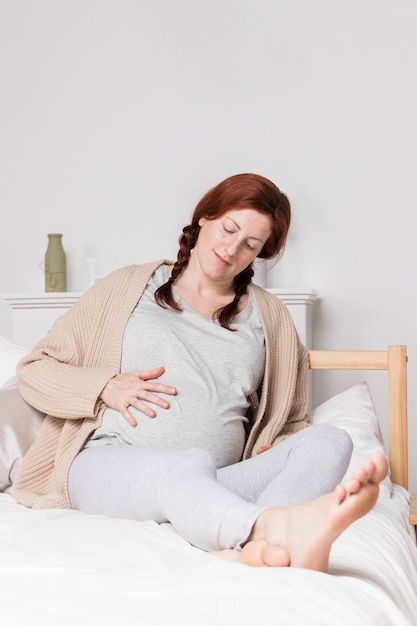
[242, 191]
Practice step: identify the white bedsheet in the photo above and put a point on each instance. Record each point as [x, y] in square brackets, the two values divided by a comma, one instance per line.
[65, 567]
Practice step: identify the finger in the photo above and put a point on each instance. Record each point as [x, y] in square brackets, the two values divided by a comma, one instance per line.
[145, 409]
[263, 449]
[150, 398]
[161, 388]
[129, 417]
[150, 374]
[143, 399]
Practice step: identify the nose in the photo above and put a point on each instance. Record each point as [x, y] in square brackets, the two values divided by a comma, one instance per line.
[231, 247]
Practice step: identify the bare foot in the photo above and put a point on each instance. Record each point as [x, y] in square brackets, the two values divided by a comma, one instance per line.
[302, 535]
[257, 552]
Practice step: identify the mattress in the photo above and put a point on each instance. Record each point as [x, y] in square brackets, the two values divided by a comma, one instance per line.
[66, 567]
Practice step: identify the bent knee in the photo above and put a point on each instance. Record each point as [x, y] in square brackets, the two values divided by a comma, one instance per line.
[336, 437]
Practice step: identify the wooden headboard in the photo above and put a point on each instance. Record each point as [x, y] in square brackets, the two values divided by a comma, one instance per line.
[394, 361]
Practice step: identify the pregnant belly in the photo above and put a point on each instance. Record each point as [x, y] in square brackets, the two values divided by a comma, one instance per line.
[223, 437]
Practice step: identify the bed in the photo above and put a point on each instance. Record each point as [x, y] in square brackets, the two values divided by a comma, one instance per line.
[66, 567]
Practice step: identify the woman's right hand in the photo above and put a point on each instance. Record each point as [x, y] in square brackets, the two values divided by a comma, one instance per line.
[132, 389]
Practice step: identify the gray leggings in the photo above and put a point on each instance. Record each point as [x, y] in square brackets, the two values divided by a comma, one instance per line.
[211, 508]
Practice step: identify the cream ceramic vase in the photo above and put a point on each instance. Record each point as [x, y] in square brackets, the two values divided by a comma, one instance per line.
[55, 264]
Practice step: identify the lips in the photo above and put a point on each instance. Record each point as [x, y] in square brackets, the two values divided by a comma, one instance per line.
[221, 259]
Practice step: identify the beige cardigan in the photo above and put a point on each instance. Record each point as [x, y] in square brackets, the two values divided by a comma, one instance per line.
[65, 373]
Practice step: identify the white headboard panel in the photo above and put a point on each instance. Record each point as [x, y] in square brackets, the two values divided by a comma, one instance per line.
[300, 304]
[34, 314]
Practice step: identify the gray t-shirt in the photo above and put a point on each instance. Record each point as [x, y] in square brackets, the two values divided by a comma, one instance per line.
[213, 369]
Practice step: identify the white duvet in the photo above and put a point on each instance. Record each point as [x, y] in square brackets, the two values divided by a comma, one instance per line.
[67, 568]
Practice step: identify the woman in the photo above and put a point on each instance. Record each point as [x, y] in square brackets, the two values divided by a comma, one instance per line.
[178, 392]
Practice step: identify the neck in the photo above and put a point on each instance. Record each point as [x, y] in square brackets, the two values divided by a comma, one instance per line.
[192, 279]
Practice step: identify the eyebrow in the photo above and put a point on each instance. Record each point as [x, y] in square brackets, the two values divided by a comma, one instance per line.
[237, 226]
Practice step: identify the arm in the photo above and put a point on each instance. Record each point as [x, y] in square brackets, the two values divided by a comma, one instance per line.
[282, 409]
[65, 372]
[298, 418]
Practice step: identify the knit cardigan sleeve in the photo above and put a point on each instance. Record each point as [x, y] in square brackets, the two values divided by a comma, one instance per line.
[282, 409]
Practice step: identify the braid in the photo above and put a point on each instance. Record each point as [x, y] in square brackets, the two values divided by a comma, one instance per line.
[228, 312]
[163, 295]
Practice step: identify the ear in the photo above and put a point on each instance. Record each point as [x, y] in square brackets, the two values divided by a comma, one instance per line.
[201, 221]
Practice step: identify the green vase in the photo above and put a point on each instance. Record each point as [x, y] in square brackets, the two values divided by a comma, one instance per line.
[55, 264]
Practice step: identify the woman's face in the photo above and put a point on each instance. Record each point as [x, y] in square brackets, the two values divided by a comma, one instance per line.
[228, 244]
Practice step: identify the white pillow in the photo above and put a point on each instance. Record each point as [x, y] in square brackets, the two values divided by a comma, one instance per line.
[19, 422]
[19, 427]
[354, 411]
[10, 354]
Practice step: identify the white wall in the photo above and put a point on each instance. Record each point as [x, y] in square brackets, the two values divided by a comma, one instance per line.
[117, 115]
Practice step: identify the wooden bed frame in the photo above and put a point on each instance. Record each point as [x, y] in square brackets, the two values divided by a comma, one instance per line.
[394, 361]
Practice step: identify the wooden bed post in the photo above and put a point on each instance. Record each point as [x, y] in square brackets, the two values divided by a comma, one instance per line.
[397, 414]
